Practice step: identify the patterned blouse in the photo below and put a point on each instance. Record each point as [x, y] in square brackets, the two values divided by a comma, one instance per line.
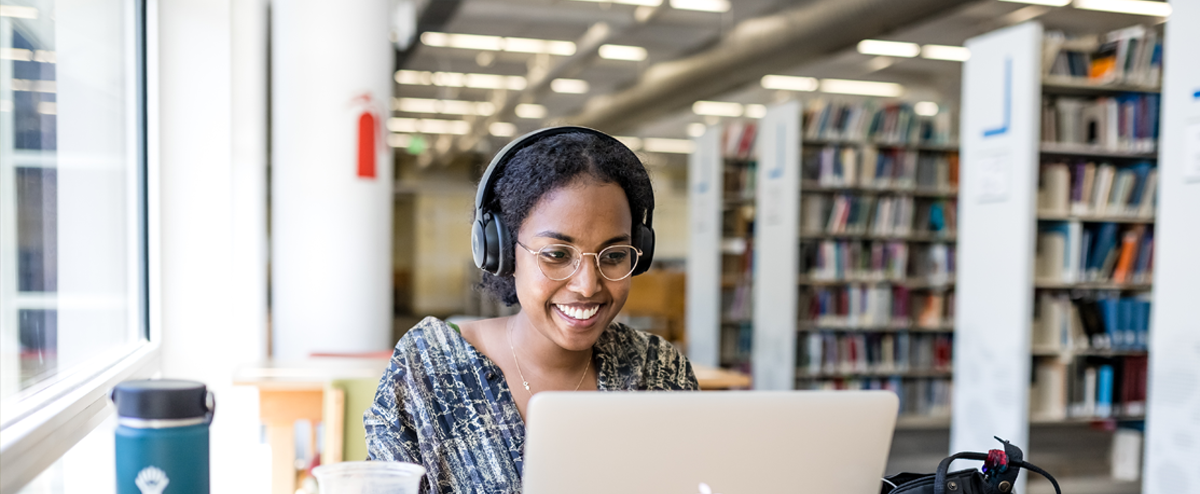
[444, 405]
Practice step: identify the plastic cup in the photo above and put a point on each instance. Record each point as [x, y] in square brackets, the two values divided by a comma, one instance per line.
[369, 477]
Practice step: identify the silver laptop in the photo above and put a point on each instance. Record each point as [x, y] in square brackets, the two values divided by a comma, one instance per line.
[708, 442]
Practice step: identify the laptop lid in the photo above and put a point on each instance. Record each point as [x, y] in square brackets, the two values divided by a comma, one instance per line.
[708, 442]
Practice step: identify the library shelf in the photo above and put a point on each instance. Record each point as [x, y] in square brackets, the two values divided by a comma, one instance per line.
[802, 374]
[1093, 285]
[910, 421]
[1094, 218]
[816, 188]
[1050, 421]
[933, 147]
[808, 327]
[1089, 151]
[910, 237]
[1088, 352]
[1075, 86]
[909, 283]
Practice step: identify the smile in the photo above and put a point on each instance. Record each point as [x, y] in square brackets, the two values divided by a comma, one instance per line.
[578, 313]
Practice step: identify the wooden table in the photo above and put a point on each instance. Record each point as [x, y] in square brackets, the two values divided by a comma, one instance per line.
[712, 378]
[301, 390]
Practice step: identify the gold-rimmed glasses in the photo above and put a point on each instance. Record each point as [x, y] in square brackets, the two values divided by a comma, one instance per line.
[561, 261]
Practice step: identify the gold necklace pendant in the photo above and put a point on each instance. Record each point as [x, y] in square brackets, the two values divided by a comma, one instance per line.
[511, 348]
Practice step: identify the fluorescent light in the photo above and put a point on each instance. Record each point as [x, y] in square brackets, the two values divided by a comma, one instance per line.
[926, 108]
[530, 110]
[428, 126]
[491, 81]
[446, 106]
[864, 88]
[1051, 3]
[569, 86]
[399, 140]
[944, 52]
[662, 145]
[633, 143]
[701, 5]
[789, 83]
[718, 108]
[648, 3]
[17, 54]
[502, 129]
[623, 52]
[18, 12]
[1135, 7]
[888, 48]
[458, 79]
[34, 85]
[696, 129]
[45, 56]
[756, 111]
[47, 108]
[497, 43]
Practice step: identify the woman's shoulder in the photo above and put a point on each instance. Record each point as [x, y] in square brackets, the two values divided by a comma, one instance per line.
[629, 343]
[650, 360]
[429, 339]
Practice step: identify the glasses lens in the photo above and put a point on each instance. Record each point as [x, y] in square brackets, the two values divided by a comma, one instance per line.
[558, 261]
[617, 262]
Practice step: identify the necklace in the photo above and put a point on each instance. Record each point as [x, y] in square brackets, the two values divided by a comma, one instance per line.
[524, 382]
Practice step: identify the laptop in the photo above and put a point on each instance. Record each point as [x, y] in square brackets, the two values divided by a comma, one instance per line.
[708, 442]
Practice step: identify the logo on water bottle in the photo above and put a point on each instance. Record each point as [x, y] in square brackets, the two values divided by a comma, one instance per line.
[151, 480]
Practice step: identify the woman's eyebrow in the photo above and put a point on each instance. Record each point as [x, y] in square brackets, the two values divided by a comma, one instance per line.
[624, 237]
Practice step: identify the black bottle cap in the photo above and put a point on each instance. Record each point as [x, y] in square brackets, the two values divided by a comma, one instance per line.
[161, 399]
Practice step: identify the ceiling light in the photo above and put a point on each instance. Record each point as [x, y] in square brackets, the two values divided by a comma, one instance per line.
[926, 108]
[1052, 3]
[569, 86]
[633, 143]
[756, 111]
[944, 52]
[623, 52]
[530, 110]
[789, 83]
[18, 12]
[1135, 7]
[446, 106]
[696, 129]
[888, 48]
[701, 5]
[399, 140]
[458, 79]
[428, 126]
[864, 88]
[648, 3]
[718, 108]
[502, 129]
[17, 54]
[47, 108]
[662, 145]
[498, 43]
[34, 85]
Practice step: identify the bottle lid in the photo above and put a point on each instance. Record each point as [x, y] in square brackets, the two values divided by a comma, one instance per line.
[161, 399]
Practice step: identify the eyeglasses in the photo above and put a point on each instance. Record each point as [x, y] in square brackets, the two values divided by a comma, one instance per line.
[560, 261]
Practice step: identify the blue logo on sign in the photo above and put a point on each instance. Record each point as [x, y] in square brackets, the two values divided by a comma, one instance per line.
[1003, 129]
[777, 172]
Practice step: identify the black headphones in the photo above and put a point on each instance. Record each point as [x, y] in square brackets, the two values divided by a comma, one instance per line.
[490, 244]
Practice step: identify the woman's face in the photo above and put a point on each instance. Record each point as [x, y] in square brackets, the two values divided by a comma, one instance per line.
[590, 216]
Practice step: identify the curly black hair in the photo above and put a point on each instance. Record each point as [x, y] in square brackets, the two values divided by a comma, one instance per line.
[553, 162]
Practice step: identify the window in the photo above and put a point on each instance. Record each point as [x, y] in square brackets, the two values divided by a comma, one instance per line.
[73, 232]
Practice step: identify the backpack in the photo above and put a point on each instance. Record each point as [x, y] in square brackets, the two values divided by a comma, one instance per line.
[998, 476]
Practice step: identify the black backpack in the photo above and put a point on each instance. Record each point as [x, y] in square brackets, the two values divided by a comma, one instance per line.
[999, 474]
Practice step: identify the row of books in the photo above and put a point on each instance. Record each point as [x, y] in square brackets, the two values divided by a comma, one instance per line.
[1087, 389]
[736, 346]
[831, 260]
[736, 300]
[739, 180]
[888, 123]
[876, 215]
[828, 353]
[1132, 56]
[867, 306]
[889, 168]
[737, 141]
[1064, 323]
[1072, 252]
[1127, 122]
[1084, 188]
[924, 397]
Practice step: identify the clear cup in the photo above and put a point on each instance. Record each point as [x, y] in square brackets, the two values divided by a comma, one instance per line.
[369, 477]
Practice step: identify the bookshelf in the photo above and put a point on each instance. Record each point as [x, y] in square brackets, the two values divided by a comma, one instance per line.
[739, 168]
[1057, 229]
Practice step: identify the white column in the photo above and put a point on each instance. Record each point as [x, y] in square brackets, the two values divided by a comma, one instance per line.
[1173, 410]
[996, 223]
[705, 186]
[776, 248]
[331, 222]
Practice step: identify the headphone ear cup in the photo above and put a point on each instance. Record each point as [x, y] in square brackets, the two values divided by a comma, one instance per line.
[485, 244]
[503, 250]
[645, 243]
[479, 243]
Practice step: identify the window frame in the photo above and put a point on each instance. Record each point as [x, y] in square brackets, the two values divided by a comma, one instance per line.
[45, 421]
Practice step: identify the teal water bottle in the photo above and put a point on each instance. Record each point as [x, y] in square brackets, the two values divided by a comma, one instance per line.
[162, 436]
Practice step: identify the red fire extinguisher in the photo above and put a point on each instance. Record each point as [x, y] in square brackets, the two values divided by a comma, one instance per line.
[368, 137]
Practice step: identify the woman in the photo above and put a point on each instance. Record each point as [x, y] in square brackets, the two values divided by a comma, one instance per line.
[454, 398]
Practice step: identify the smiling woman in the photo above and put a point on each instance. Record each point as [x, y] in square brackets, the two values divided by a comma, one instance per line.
[579, 204]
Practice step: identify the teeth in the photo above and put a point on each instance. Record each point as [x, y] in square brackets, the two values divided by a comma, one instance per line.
[577, 313]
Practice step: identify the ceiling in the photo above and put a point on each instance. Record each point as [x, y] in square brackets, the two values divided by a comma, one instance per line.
[673, 34]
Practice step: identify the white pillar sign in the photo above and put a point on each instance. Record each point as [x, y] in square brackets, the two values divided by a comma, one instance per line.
[705, 186]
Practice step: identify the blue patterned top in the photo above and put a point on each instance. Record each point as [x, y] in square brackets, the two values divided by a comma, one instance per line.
[444, 405]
